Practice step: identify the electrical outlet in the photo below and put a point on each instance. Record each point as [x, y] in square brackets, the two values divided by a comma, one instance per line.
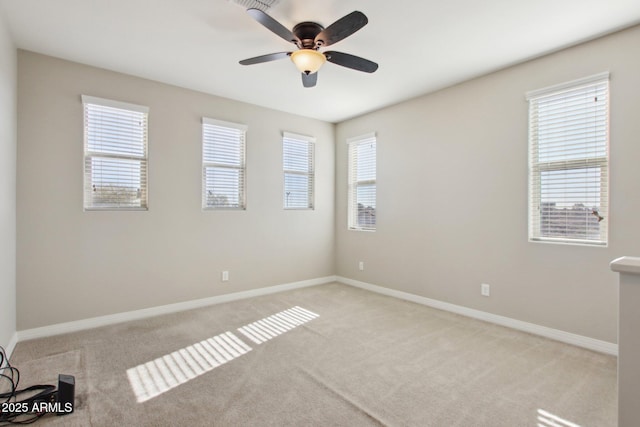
[225, 276]
[361, 266]
[485, 290]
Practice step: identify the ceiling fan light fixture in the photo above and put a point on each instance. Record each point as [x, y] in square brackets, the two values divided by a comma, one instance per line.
[308, 61]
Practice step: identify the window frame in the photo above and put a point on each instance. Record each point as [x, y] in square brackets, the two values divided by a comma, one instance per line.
[89, 155]
[353, 183]
[309, 172]
[242, 141]
[537, 167]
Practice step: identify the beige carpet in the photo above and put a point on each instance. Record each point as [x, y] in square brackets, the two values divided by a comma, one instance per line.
[366, 359]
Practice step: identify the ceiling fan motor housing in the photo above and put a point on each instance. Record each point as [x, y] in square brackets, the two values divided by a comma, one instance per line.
[306, 32]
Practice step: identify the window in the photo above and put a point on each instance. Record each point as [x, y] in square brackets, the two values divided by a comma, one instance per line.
[115, 154]
[568, 162]
[223, 164]
[362, 183]
[297, 163]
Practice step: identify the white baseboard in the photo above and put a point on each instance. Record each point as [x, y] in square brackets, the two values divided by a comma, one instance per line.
[11, 345]
[94, 322]
[555, 334]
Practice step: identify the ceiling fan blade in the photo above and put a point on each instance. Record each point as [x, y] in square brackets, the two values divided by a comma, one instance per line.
[309, 80]
[341, 29]
[272, 25]
[265, 58]
[351, 61]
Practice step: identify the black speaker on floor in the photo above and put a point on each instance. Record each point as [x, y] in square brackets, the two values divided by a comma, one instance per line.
[66, 393]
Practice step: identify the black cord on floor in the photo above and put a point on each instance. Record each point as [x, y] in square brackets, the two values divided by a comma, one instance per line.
[25, 411]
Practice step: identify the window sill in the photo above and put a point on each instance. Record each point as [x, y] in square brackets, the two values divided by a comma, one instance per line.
[587, 243]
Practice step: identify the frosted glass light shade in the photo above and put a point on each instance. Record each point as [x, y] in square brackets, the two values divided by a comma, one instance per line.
[308, 61]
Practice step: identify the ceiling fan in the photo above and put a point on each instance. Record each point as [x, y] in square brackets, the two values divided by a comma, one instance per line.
[309, 37]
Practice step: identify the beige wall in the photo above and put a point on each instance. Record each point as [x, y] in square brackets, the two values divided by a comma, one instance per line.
[73, 264]
[452, 196]
[452, 199]
[7, 186]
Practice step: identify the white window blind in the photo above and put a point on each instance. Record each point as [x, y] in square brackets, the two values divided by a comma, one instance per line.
[115, 154]
[298, 167]
[223, 164]
[362, 183]
[568, 162]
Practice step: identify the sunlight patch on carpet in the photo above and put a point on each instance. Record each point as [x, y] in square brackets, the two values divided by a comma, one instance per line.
[547, 419]
[277, 324]
[164, 373]
[158, 376]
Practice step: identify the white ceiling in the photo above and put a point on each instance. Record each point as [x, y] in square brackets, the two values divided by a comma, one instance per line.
[421, 46]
